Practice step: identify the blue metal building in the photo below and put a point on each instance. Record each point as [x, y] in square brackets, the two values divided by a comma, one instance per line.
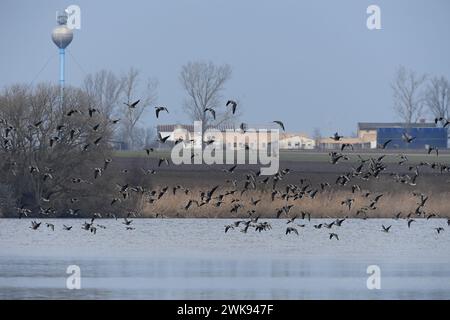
[424, 137]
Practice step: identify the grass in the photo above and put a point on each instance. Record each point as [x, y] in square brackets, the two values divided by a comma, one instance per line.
[310, 165]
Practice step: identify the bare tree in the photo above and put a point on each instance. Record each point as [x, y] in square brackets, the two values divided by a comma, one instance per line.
[104, 88]
[132, 116]
[437, 97]
[45, 145]
[408, 94]
[204, 84]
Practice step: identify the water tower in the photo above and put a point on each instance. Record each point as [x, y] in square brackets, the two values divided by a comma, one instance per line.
[62, 36]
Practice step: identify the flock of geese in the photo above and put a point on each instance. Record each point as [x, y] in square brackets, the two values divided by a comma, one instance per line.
[366, 169]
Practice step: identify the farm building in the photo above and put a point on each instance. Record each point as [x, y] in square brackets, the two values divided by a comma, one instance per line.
[296, 141]
[226, 136]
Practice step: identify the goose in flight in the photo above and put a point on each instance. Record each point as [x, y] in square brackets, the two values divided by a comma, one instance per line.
[334, 235]
[338, 222]
[439, 229]
[91, 112]
[228, 227]
[386, 229]
[280, 124]
[291, 230]
[87, 226]
[132, 105]
[329, 225]
[35, 225]
[106, 163]
[430, 149]
[255, 202]
[410, 221]
[162, 139]
[163, 160]
[336, 137]
[189, 204]
[148, 171]
[385, 144]
[37, 124]
[68, 228]
[159, 109]
[97, 141]
[97, 172]
[50, 225]
[127, 222]
[212, 111]
[72, 112]
[291, 220]
[232, 104]
[407, 137]
[230, 170]
[348, 202]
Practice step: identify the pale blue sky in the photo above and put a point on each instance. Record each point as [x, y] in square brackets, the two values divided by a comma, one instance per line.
[307, 63]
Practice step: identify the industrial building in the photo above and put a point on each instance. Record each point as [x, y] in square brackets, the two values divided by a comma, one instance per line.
[233, 138]
[296, 141]
[425, 135]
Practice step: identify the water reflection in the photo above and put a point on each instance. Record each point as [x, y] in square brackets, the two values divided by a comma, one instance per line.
[33, 265]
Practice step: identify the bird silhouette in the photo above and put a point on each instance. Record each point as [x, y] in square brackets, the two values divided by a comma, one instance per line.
[333, 235]
[336, 137]
[291, 230]
[233, 105]
[35, 225]
[132, 105]
[407, 137]
[159, 109]
[212, 111]
[280, 124]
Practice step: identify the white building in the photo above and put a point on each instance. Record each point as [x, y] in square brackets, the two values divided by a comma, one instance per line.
[295, 141]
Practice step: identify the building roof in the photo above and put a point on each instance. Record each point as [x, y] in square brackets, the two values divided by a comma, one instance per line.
[189, 127]
[377, 125]
[285, 135]
[223, 127]
[342, 140]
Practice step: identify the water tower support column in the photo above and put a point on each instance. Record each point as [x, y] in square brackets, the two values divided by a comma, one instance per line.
[61, 73]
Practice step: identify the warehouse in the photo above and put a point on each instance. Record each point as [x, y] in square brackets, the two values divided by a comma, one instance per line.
[424, 135]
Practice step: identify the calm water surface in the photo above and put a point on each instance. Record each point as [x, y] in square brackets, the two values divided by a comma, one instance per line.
[195, 259]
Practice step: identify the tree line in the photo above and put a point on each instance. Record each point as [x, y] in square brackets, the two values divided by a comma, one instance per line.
[56, 156]
[416, 94]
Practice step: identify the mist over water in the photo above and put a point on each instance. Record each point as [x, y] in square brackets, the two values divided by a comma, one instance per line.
[195, 259]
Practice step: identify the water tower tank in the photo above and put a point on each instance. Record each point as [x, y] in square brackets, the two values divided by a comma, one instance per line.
[62, 35]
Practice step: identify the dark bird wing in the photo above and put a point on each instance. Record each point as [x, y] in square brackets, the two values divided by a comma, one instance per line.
[280, 124]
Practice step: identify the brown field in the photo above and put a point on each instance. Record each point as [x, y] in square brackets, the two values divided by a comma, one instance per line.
[397, 197]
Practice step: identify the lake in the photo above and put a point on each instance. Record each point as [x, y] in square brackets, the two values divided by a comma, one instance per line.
[195, 259]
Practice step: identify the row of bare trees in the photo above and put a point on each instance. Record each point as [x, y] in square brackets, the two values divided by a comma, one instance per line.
[55, 157]
[415, 95]
[109, 93]
[203, 83]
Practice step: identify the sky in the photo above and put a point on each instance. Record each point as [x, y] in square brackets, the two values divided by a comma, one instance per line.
[311, 64]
